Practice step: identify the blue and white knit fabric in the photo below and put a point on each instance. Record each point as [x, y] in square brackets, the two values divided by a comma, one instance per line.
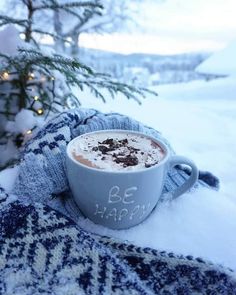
[42, 171]
[43, 251]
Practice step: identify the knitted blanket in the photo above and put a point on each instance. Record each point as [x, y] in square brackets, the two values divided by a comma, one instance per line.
[44, 251]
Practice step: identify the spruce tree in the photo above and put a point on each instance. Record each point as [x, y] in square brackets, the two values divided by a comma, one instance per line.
[40, 82]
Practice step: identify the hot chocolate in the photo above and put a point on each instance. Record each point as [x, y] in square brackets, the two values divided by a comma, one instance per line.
[116, 151]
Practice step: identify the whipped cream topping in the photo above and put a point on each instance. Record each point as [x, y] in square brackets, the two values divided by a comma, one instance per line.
[115, 151]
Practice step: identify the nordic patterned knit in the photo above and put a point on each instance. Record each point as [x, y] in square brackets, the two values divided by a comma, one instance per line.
[43, 252]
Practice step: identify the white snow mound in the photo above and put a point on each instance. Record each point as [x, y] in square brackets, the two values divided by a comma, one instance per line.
[222, 62]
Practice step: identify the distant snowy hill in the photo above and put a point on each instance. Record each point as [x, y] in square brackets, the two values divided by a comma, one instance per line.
[161, 69]
[221, 63]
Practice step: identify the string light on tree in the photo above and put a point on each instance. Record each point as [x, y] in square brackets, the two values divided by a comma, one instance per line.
[40, 111]
[31, 76]
[36, 97]
[38, 106]
[28, 132]
[5, 75]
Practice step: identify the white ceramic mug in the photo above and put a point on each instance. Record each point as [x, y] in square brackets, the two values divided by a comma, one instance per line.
[121, 199]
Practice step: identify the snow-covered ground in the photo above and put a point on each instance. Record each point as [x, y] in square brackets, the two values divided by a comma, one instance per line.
[199, 119]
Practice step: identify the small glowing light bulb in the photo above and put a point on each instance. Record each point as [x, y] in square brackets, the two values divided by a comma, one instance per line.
[52, 78]
[40, 111]
[36, 97]
[29, 131]
[5, 75]
[31, 76]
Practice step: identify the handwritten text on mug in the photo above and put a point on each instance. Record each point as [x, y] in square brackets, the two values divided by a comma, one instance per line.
[115, 196]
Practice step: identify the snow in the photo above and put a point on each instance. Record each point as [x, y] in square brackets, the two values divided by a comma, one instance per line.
[7, 178]
[24, 123]
[199, 119]
[8, 152]
[10, 40]
[24, 120]
[217, 89]
[222, 62]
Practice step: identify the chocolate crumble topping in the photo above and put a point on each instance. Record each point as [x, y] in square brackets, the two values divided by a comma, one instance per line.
[148, 165]
[123, 152]
[110, 145]
[127, 160]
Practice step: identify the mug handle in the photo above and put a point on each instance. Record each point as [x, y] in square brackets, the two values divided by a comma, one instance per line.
[178, 160]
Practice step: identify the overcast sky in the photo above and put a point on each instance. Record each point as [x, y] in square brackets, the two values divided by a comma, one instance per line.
[174, 26]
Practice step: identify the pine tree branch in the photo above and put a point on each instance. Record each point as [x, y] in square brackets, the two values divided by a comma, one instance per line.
[75, 73]
[53, 62]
